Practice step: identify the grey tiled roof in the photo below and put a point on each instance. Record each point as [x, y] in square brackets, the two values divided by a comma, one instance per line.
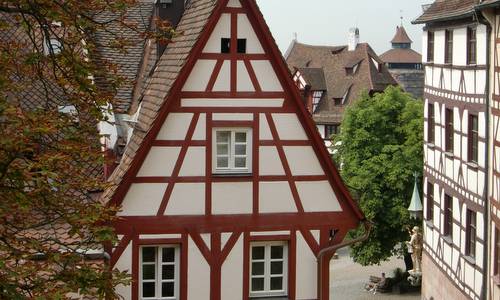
[129, 59]
[165, 74]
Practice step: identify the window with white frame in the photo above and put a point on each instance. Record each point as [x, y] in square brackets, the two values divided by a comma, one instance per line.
[159, 272]
[232, 150]
[268, 269]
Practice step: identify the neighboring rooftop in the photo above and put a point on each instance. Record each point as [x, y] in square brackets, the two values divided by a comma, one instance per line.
[158, 87]
[129, 59]
[346, 74]
[442, 10]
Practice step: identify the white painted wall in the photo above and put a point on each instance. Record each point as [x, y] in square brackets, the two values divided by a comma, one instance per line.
[194, 162]
[303, 160]
[223, 82]
[200, 130]
[198, 274]
[317, 196]
[232, 273]
[243, 82]
[264, 130]
[187, 199]
[221, 30]
[199, 76]
[306, 271]
[269, 161]
[143, 199]
[276, 197]
[266, 76]
[245, 31]
[124, 263]
[175, 126]
[232, 198]
[160, 161]
[289, 127]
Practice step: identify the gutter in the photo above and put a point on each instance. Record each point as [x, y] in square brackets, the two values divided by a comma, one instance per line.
[330, 250]
[486, 219]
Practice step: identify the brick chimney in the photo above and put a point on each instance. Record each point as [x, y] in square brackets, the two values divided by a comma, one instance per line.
[353, 39]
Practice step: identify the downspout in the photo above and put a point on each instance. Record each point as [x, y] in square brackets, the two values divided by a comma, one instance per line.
[484, 287]
[331, 250]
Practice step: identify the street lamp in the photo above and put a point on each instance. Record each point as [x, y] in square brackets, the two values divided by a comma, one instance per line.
[415, 208]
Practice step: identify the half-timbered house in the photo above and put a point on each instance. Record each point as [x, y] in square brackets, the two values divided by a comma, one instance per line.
[455, 54]
[225, 187]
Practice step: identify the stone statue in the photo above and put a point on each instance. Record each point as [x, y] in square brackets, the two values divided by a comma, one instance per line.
[415, 248]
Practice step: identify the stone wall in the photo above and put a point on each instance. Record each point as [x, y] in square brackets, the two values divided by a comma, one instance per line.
[435, 284]
[411, 81]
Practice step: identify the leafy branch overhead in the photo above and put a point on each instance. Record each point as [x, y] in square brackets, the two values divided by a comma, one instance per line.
[54, 91]
[380, 147]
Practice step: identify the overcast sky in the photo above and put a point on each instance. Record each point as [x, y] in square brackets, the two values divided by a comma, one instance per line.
[327, 22]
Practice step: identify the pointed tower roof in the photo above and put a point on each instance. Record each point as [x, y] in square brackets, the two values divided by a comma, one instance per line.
[401, 37]
[416, 203]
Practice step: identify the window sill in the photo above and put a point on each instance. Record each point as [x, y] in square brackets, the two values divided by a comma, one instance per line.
[269, 297]
[449, 154]
[470, 259]
[448, 239]
[472, 165]
[229, 174]
[431, 145]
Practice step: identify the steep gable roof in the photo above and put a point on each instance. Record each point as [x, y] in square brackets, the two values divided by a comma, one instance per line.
[166, 72]
[334, 60]
[173, 69]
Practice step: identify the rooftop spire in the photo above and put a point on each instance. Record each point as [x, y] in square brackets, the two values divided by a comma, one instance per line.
[401, 37]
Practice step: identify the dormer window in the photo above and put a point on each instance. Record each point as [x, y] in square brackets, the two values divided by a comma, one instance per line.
[52, 46]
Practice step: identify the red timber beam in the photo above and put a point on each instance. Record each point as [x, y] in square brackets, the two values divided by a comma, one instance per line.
[215, 257]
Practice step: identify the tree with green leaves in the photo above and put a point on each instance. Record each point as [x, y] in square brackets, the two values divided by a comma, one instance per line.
[52, 224]
[380, 146]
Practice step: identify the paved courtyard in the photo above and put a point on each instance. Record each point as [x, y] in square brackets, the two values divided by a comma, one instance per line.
[347, 279]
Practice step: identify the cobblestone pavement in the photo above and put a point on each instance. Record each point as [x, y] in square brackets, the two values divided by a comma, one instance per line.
[347, 279]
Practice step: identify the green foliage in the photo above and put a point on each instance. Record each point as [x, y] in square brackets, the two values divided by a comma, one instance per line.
[380, 147]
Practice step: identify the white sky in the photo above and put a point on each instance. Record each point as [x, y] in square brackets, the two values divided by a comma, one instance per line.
[327, 22]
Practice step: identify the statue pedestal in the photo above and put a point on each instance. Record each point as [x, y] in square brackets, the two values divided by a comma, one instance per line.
[415, 278]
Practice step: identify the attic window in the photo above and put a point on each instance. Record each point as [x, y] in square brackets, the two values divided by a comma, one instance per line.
[337, 101]
[242, 45]
[225, 45]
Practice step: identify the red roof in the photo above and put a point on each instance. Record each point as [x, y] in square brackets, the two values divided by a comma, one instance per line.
[398, 55]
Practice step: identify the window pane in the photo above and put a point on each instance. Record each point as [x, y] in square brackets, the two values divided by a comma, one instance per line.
[258, 268]
[276, 283]
[241, 137]
[222, 149]
[276, 252]
[257, 284]
[223, 136]
[148, 289]
[276, 267]
[240, 162]
[148, 272]
[167, 289]
[258, 252]
[148, 254]
[168, 255]
[222, 162]
[168, 272]
[240, 149]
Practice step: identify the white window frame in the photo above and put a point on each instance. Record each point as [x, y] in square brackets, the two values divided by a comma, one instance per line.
[267, 269]
[158, 272]
[231, 169]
